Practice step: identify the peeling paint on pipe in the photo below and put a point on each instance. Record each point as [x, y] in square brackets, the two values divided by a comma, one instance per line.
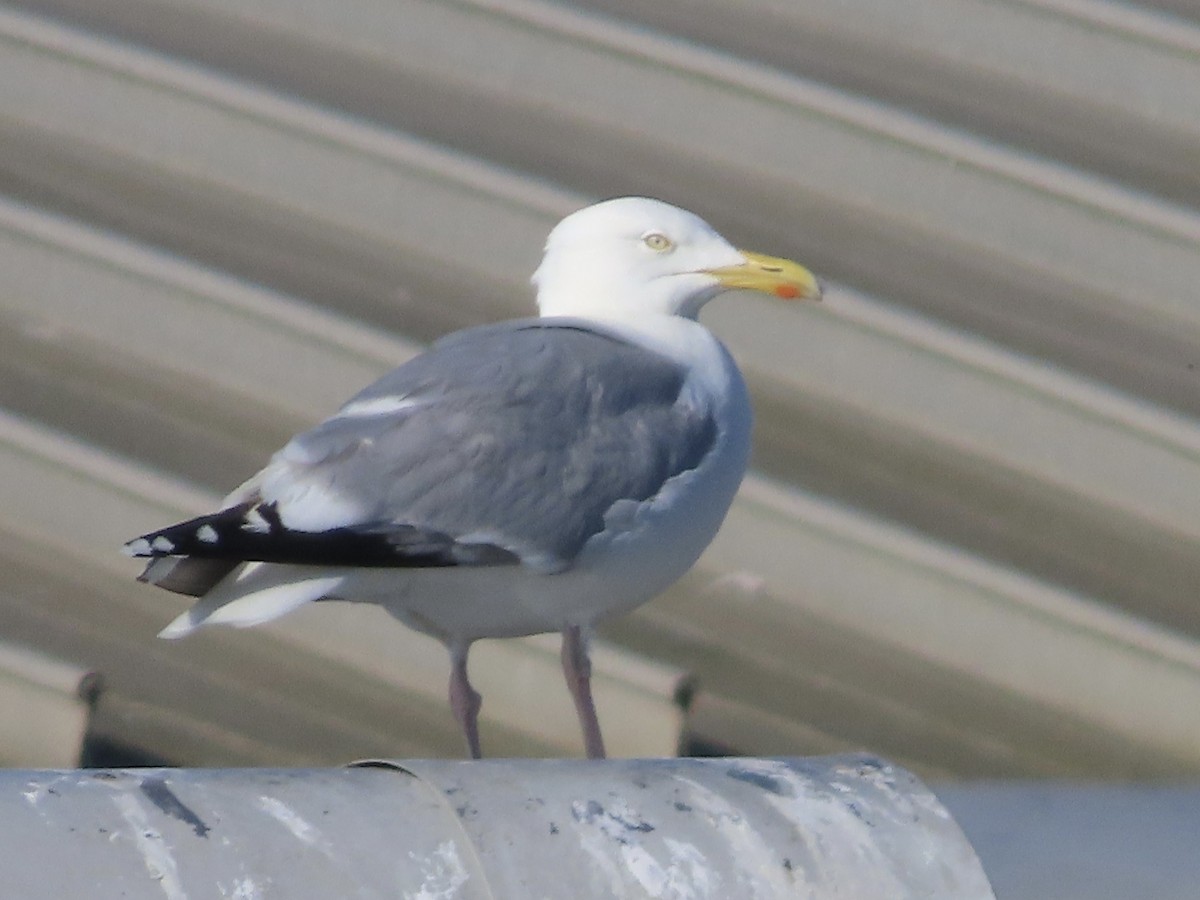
[845, 826]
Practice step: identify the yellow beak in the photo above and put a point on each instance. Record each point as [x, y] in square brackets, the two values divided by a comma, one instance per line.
[779, 277]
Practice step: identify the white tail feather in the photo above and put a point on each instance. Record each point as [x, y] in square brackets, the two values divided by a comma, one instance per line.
[257, 593]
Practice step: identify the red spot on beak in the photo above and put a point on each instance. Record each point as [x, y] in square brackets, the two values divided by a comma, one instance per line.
[787, 292]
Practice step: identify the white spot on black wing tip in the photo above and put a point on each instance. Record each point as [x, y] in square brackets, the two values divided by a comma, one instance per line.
[137, 547]
[162, 545]
[207, 534]
[254, 521]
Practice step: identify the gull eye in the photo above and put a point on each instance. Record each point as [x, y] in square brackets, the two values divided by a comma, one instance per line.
[657, 241]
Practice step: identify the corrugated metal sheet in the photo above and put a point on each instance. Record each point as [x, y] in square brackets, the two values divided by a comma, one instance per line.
[973, 538]
[45, 708]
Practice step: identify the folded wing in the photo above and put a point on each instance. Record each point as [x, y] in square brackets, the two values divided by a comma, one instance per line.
[501, 444]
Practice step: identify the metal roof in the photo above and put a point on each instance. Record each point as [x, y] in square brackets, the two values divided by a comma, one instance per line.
[972, 538]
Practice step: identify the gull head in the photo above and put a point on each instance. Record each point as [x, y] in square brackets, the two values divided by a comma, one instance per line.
[633, 256]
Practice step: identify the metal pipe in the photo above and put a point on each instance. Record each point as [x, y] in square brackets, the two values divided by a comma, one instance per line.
[844, 826]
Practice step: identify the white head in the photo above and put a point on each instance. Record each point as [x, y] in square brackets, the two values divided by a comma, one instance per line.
[633, 256]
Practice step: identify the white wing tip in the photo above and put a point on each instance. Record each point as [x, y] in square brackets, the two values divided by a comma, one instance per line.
[137, 547]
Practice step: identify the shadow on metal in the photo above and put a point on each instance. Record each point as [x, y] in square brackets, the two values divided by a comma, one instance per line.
[845, 826]
[46, 708]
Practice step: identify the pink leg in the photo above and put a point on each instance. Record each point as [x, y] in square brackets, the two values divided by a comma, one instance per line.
[464, 700]
[577, 668]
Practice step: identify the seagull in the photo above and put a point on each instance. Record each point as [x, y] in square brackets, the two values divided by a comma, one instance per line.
[536, 475]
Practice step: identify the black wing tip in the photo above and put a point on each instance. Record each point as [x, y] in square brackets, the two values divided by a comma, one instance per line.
[150, 546]
[254, 533]
[187, 538]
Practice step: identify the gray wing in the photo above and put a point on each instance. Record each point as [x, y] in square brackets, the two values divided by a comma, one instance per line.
[511, 439]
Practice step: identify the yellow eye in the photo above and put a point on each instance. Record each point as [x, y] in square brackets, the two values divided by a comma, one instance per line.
[657, 242]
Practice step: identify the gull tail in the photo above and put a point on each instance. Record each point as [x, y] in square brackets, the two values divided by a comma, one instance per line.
[256, 593]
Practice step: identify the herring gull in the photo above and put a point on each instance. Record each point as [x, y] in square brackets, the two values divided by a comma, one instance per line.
[531, 476]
